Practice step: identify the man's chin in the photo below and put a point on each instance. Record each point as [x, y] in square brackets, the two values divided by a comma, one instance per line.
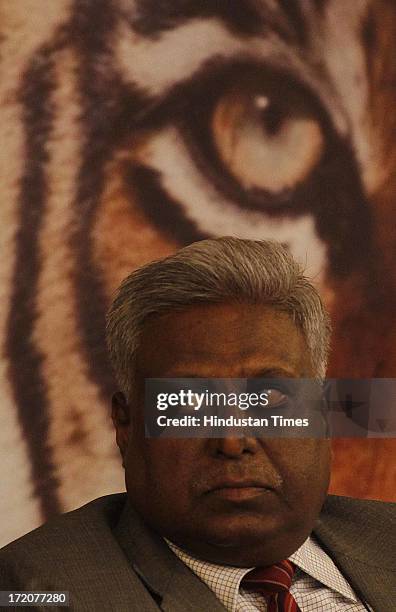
[243, 537]
[244, 528]
[233, 538]
[241, 550]
[244, 541]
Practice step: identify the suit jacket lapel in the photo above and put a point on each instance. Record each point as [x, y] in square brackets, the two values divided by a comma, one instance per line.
[357, 551]
[173, 586]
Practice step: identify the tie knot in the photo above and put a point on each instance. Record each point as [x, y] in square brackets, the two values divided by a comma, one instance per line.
[273, 579]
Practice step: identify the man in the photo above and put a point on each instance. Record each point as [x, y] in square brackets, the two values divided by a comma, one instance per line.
[227, 523]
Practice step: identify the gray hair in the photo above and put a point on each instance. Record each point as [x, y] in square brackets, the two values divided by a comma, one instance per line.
[216, 270]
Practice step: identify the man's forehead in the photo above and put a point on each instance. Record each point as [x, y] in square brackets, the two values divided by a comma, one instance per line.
[225, 340]
[241, 314]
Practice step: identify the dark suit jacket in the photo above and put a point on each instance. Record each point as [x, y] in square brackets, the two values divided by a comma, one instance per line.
[108, 559]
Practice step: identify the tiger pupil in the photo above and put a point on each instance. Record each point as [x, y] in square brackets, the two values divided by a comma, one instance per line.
[272, 119]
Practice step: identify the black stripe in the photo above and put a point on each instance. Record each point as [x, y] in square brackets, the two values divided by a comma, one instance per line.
[369, 34]
[107, 108]
[320, 5]
[29, 385]
[155, 16]
[161, 210]
[92, 23]
[295, 18]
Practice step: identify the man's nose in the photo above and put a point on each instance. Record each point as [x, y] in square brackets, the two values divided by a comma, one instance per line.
[234, 447]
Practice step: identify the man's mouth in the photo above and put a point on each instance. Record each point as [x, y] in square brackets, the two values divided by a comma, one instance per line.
[238, 490]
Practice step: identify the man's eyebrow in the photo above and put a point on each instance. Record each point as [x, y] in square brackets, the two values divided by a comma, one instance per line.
[274, 373]
[262, 373]
[244, 17]
[177, 375]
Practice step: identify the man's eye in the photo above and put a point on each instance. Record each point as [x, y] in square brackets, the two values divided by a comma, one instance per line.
[267, 142]
[276, 398]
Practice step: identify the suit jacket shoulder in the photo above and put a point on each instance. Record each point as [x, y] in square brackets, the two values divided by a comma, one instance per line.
[76, 552]
[360, 536]
[107, 559]
[368, 528]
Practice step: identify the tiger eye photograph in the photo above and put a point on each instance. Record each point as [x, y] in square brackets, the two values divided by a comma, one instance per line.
[197, 195]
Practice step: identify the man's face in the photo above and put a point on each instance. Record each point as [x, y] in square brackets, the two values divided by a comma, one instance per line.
[239, 501]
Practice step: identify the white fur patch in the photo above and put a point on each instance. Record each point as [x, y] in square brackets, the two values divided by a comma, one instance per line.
[344, 56]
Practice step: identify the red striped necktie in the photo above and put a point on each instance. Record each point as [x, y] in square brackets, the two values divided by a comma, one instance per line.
[274, 583]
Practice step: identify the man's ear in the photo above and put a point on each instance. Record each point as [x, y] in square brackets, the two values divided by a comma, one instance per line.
[120, 414]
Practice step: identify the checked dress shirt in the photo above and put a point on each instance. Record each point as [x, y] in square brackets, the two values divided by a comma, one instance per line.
[317, 586]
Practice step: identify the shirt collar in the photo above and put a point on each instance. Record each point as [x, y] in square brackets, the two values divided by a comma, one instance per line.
[224, 580]
[314, 561]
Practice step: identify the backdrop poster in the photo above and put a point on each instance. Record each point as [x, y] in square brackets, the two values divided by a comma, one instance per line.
[132, 127]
